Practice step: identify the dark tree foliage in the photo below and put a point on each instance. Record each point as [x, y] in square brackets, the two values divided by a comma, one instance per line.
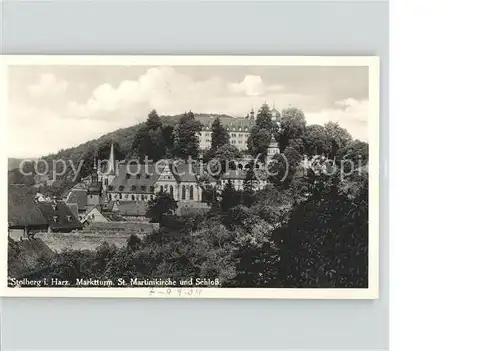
[134, 243]
[316, 140]
[230, 197]
[168, 137]
[186, 137]
[220, 135]
[160, 207]
[284, 167]
[293, 127]
[258, 141]
[150, 139]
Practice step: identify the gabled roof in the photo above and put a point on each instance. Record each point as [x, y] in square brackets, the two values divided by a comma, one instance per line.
[59, 215]
[79, 197]
[22, 209]
[185, 172]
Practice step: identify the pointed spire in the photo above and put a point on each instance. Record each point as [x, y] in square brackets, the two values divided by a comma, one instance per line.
[95, 163]
[111, 166]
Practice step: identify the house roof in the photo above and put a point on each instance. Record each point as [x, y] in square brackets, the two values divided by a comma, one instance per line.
[133, 208]
[22, 209]
[59, 215]
[78, 197]
[134, 178]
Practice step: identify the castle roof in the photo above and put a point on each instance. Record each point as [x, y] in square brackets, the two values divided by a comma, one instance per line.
[78, 196]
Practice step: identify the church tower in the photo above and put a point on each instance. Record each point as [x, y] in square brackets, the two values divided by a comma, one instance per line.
[94, 190]
[273, 148]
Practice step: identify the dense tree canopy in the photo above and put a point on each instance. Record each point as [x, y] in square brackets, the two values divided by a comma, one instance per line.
[186, 137]
[220, 135]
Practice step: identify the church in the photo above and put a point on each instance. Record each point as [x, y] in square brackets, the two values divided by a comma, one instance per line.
[121, 191]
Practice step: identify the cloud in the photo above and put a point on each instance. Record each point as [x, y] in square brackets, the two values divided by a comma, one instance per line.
[56, 117]
[47, 86]
[349, 113]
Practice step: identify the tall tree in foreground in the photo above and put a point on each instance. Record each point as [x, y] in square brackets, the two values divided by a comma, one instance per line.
[149, 139]
[220, 135]
[186, 137]
[160, 207]
[293, 127]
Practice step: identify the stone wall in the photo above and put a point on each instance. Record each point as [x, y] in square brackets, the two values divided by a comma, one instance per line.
[94, 234]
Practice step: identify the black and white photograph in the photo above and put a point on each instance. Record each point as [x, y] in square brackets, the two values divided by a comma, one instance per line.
[191, 176]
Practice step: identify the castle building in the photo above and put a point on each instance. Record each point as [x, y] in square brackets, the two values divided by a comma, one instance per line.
[238, 128]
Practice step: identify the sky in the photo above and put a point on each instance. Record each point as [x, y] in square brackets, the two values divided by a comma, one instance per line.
[56, 107]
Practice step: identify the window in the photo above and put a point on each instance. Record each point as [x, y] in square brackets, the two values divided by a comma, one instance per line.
[132, 197]
[109, 196]
[69, 218]
[120, 188]
[143, 187]
[151, 188]
[138, 176]
[110, 188]
[161, 188]
[148, 176]
[233, 135]
[171, 191]
[183, 192]
[120, 195]
[127, 176]
[133, 187]
[191, 193]
[105, 181]
[142, 197]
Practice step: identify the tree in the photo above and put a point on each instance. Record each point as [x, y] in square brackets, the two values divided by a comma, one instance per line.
[150, 139]
[284, 167]
[340, 135]
[220, 135]
[264, 119]
[316, 141]
[258, 141]
[186, 137]
[293, 127]
[229, 197]
[161, 206]
[153, 122]
[168, 136]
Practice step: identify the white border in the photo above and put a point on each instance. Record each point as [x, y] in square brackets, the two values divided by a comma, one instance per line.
[372, 292]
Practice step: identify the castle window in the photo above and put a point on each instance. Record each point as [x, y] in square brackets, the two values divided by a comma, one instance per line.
[151, 188]
[143, 187]
[133, 187]
[127, 176]
[120, 188]
[109, 196]
[120, 196]
[148, 176]
[191, 193]
[183, 192]
[171, 191]
[132, 197]
[138, 176]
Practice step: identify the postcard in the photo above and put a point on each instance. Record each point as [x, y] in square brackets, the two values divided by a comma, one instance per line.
[190, 177]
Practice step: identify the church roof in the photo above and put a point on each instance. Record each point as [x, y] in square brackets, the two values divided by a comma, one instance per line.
[134, 178]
